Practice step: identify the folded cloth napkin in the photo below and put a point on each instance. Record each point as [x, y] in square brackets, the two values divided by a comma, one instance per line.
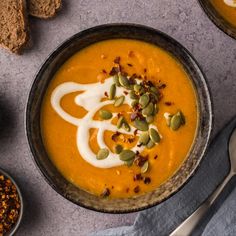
[164, 218]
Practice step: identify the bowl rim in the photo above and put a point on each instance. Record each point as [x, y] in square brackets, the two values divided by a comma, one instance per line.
[35, 81]
[20, 217]
[218, 24]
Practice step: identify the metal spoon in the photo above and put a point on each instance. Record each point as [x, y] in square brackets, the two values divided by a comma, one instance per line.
[191, 222]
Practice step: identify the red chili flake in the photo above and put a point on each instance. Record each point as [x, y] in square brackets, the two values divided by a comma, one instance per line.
[147, 180]
[132, 80]
[149, 83]
[131, 54]
[112, 187]
[106, 192]
[127, 190]
[139, 145]
[135, 132]
[104, 71]
[155, 157]
[119, 115]
[130, 65]
[125, 92]
[114, 70]
[137, 107]
[136, 189]
[145, 70]
[162, 86]
[131, 140]
[115, 136]
[140, 160]
[117, 60]
[106, 94]
[137, 177]
[168, 103]
[137, 152]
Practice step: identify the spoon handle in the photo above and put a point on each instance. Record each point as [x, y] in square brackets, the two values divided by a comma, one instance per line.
[192, 221]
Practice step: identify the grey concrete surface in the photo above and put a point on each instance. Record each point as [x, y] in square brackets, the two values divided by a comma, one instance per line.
[46, 212]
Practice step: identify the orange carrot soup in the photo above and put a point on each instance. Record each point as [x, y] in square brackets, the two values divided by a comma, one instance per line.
[227, 9]
[119, 118]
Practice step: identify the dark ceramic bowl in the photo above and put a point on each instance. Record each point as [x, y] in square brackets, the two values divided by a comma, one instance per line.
[17, 224]
[45, 75]
[217, 19]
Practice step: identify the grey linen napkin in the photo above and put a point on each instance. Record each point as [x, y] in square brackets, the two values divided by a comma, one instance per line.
[164, 218]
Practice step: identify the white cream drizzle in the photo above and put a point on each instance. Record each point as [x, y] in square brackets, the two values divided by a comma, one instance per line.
[231, 3]
[90, 99]
[167, 115]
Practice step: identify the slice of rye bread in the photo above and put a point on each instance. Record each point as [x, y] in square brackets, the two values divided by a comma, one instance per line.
[13, 25]
[44, 8]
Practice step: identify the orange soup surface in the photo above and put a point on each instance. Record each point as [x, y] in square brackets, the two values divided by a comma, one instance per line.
[84, 126]
[226, 11]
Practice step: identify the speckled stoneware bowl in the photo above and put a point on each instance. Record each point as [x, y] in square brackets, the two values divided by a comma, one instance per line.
[45, 75]
[217, 19]
[17, 224]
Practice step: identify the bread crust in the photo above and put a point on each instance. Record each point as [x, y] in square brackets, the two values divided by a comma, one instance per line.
[14, 29]
[44, 8]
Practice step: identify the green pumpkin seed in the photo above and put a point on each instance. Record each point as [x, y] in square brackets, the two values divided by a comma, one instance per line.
[155, 110]
[155, 96]
[142, 90]
[120, 122]
[137, 87]
[148, 110]
[129, 162]
[150, 119]
[126, 126]
[150, 144]
[118, 149]
[132, 95]
[102, 154]
[141, 125]
[131, 87]
[116, 80]
[127, 155]
[112, 92]
[134, 103]
[144, 100]
[105, 115]
[145, 166]
[154, 135]
[119, 101]
[154, 90]
[182, 117]
[123, 81]
[176, 122]
[144, 138]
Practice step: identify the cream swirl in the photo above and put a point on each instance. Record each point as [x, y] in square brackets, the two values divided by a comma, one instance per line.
[90, 99]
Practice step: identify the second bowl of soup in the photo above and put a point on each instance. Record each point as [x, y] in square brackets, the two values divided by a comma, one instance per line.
[222, 13]
[118, 118]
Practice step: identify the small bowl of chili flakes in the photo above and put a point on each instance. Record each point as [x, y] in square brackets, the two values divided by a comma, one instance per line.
[11, 205]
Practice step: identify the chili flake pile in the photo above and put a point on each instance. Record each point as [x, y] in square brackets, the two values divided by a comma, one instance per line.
[9, 205]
